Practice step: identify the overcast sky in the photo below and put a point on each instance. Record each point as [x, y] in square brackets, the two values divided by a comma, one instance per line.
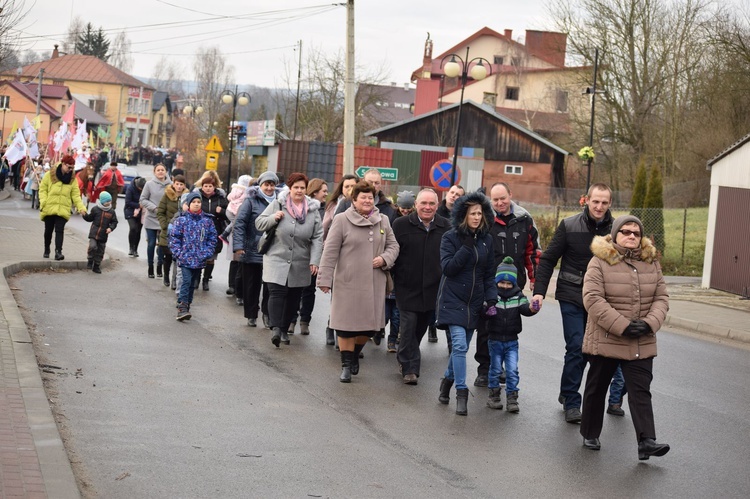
[259, 37]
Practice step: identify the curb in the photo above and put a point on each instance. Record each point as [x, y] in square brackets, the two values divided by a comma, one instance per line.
[54, 464]
[709, 329]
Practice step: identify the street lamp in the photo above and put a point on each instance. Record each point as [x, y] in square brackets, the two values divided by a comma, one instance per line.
[233, 98]
[193, 109]
[592, 91]
[452, 69]
[5, 109]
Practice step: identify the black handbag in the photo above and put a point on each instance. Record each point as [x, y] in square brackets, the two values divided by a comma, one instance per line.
[266, 240]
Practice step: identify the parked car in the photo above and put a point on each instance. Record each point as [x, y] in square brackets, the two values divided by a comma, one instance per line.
[128, 174]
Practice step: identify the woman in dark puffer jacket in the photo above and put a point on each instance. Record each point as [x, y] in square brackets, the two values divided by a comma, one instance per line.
[468, 282]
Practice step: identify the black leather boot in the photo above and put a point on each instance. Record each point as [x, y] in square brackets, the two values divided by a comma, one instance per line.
[276, 338]
[432, 334]
[445, 390]
[150, 271]
[58, 255]
[462, 398]
[329, 337]
[346, 363]
[158, 270]
[46, 252]
[355, 358]
[167, 268]
[648, 447]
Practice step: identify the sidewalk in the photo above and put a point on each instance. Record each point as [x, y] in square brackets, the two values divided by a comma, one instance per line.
[33, 460]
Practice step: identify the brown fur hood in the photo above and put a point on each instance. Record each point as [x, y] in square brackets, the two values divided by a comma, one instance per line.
[603, 248]
[170, 193]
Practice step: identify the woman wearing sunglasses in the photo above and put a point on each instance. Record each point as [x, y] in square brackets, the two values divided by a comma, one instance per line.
[626, 299]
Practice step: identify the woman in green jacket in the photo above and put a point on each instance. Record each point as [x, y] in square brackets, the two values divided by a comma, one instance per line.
[168, 207]
[58, 193]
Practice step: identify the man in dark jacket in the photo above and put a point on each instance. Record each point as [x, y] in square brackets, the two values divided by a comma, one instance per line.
[446, 206]
[382, 202]
[571, 242]
[515, 235]
[416, 279]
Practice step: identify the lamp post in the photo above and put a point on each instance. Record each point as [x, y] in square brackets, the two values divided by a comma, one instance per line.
[5, 109]
[233, 98]
[592, 91]
[452, 69]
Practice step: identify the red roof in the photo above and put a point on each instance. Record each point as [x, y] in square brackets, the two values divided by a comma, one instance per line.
[537, 120]
[25, 91]
[82, 68]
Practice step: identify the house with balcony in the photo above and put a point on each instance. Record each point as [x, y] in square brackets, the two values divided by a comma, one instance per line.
[161, 129]
[122, 99]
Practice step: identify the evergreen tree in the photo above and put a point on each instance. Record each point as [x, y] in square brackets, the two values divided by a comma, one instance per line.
[94, 43]
[639, 191]
[653, 224]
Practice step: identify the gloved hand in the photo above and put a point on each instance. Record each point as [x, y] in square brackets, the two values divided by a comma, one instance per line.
[468, 240]
[490, 311]
[636, 328]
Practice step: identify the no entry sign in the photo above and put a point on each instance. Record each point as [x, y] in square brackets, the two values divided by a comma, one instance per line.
[440, 175]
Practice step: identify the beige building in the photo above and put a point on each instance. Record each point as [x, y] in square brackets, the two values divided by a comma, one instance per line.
[122, 99]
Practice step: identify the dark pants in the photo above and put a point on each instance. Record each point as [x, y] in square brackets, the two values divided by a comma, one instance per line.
[96, 250]
[189, 278]
[134, 235]
[574, 325]
[307, 301]
[153, 237]
[638, 375]
[252, 282]
[54, 223]
[413, 327]
[393, 317]
[482, 355]
[3, 179]
[16, 168]
[282, 304]
[234, 267]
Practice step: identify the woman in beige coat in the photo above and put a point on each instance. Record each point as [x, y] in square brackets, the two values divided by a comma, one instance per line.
[626, 299]
[359, 248]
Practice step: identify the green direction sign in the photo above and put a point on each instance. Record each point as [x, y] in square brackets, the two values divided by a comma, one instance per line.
[390, 174]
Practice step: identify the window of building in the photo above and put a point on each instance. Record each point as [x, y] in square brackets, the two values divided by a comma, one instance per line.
[515, 61]
[98, 105]
[562, 101]
[4, 101]
[514, 170]
[489, 98]
[498, 59]
[511, 93]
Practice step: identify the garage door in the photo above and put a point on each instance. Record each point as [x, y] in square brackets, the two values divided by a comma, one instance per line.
[730, 267]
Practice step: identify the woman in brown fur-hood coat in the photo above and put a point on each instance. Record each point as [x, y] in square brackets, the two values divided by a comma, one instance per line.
[626, 299]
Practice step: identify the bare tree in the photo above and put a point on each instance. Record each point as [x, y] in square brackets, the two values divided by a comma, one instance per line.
[75, 28]
[212, 76]
[11, 16]
[120, 55]
[166, 76]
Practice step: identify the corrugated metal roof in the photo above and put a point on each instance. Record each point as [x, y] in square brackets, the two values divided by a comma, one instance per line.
[78, 67]
[83, 112]
[728, 150]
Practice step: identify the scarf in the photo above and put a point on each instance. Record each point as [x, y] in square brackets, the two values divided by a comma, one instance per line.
[65, 178]
[270, 198]
[299, 215]
[632, 254]
[102, 207]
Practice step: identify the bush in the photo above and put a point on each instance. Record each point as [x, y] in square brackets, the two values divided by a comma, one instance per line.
[546, 226]
[653, 204]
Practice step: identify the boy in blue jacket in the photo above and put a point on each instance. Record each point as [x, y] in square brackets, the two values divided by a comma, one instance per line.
[503, 325]
[192, 241]
[103, 221]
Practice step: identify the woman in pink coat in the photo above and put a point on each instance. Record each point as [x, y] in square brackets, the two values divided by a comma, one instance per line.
[359, 248]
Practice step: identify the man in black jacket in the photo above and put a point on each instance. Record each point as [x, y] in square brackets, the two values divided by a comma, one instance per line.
[415, 277]
[445, 208]
[571, 242]
[515, 235]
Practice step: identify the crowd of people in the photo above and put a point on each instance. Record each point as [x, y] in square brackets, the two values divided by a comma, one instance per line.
[406, 264]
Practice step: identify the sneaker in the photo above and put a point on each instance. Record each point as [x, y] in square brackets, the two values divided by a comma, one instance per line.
[481, 380]
[615, 410]
[183, 314]
[391, 347]
[230, 291]
[573, 416]
[410, 379]
[252, 322]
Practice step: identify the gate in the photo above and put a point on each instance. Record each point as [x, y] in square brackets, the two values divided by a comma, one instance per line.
[730, 267]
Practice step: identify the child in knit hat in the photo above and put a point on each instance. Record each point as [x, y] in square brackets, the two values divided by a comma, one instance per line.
[103, 221]
[503, 326]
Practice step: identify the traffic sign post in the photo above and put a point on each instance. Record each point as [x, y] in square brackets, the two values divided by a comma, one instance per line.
[440, 175]
[212, 161]
[390, 174]
[214, 145]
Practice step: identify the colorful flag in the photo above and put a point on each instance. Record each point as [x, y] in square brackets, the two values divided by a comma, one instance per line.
[70, 115]
[17, 150]
[80, 137]
[12, 133]
[37, 122]
[28, 128]
[61, 136]
[102, 133]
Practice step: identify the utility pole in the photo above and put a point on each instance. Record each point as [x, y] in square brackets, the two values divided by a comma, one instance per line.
[299, 79]
[591, 125]
[349, 92]
[39, 92]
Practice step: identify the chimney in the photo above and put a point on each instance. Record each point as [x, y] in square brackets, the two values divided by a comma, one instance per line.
[427, 59]
[508, 34]
[55, 53]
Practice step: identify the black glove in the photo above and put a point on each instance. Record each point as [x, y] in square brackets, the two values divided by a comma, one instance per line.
[636, 328]
[468, 240]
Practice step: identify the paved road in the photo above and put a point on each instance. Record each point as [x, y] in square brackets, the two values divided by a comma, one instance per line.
[154, 408]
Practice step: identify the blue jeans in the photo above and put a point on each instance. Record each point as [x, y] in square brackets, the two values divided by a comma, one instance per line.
[574, 325]
[392, 315]
[460, 338]
[507, 352]
[617, 389]
[153, 235]
[189, 276]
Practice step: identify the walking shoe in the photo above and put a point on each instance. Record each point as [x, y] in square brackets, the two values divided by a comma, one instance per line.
[445, 390]
[592, 443]
[166, 280]
[410, 379]
[346, 371]
[495, 401]
[330, 340]
[276, 338]
[648, 447]
[432, 334]
[46, 253]
[158, 270]
[252, 322]
[183, 312]
[391, 347]
[481, 380]
[230, 290]
[205, 284]
[150, 271]
[96, 269]
[573, 416]
[615, 410]
[513, 402]
[58, 255]
[290, 329]
[90, 264]
[240, 301]
[304, 328]
[378, 337]
[130, 253]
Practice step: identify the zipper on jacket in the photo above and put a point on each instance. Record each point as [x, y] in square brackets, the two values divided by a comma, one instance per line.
[473, 283]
